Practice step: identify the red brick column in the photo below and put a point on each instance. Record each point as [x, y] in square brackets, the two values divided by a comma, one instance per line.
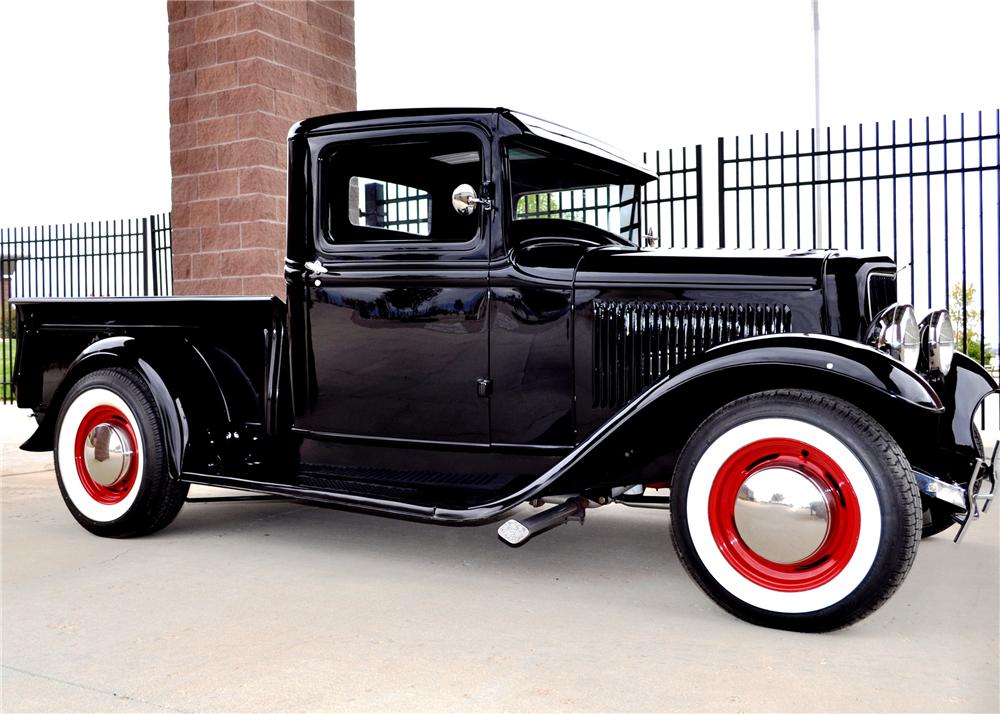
[241, 73]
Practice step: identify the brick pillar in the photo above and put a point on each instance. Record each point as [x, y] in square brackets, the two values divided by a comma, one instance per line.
[241, 73]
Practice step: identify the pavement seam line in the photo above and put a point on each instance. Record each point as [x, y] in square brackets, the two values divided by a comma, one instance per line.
[26, 473]
[84, 566]
[116, 695]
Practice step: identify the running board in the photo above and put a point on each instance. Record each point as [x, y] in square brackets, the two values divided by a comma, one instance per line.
[386, 506]
[515, 533]
[232, 499]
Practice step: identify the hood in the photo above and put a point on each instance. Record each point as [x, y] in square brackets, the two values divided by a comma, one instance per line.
[837, 290]
[762, 269]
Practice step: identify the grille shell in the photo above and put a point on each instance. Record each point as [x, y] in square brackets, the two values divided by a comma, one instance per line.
[637, 342]
[881, 292]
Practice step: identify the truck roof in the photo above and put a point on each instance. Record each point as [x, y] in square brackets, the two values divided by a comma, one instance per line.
[525, 123]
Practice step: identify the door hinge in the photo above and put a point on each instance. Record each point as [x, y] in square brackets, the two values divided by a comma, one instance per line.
[484, 387]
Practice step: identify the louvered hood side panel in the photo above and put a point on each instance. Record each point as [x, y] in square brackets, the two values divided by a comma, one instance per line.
[636, 343]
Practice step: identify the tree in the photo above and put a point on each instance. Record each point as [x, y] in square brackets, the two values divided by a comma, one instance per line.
[538, 205]
[963, 302]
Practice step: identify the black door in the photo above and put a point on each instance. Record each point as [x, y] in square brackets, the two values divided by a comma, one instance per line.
[398, 325]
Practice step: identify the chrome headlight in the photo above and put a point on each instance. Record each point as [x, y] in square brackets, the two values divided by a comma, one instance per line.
[895, 330]
[937, 342]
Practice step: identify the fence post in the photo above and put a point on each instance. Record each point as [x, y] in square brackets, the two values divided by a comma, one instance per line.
[152, 256]
[700, 203]
[5, 315]
[722, 197]
[145, 256]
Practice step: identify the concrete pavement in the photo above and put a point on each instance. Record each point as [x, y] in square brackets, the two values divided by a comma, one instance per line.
[272, 606]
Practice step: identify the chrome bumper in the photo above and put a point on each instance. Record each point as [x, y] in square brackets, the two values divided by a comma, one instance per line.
[970, 500]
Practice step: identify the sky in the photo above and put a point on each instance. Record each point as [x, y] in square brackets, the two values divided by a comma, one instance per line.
[84, 126]
[643, 74]
[84, 87]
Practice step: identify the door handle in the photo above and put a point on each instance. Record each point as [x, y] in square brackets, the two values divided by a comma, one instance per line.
[314, 269]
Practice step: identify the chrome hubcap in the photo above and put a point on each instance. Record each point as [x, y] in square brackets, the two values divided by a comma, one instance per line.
[781, 515]
[107, 454]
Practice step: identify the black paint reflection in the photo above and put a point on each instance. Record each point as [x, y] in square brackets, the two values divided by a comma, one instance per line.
[399, 362]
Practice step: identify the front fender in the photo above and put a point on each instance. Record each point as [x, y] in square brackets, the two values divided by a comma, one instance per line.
[840, 359]
[640, 442]
[962, 390]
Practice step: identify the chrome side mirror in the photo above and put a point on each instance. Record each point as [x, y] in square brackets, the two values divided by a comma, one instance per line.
[464, 200]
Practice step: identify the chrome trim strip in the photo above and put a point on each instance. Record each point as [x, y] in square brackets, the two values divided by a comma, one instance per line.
[872, 312]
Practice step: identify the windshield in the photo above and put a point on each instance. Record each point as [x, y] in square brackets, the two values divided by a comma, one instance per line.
[553, 182]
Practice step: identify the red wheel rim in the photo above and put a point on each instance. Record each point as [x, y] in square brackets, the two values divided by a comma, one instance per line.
[119, 490]
[844, 514]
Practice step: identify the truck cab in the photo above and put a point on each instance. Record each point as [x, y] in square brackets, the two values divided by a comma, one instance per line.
[409, 302]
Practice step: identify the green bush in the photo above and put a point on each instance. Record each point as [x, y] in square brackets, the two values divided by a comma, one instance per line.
[963, 301]
[8, 348]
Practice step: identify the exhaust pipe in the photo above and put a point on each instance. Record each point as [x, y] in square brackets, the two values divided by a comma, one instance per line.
[515, 532]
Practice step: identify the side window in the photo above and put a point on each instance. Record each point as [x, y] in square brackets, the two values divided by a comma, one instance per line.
[399, 189]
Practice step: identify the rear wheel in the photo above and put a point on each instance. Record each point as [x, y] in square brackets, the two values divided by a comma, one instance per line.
[795, 510]
[110, 457]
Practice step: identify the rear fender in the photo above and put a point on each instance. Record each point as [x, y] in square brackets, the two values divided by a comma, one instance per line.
[175, 374]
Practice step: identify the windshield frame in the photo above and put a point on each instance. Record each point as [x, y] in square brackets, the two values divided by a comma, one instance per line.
[626, 177]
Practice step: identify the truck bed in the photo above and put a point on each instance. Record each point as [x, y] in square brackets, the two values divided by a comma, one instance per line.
[52, 333]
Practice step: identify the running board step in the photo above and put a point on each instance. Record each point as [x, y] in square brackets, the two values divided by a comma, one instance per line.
[515, 532]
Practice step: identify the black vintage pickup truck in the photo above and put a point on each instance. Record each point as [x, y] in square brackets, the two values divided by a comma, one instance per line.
[473, 322]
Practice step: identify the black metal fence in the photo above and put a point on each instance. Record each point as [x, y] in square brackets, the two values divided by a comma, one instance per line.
[926, 193]
[396, 207]
[673, 209]
[586, 205]
[127, 257]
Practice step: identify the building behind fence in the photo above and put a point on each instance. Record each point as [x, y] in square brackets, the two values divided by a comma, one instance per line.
[926, 193]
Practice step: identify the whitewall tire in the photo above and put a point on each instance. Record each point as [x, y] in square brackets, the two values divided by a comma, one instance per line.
[110, 456]
[92, 409]
[794, 509]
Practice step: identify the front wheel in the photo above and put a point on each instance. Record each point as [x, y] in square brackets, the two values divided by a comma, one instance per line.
[795, 510]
